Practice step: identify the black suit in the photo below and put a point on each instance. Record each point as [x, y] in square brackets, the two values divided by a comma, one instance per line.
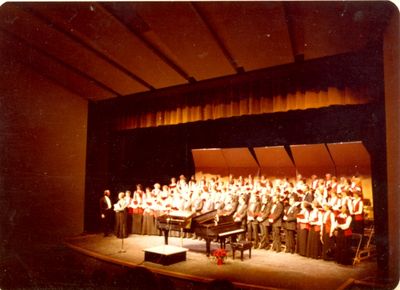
[252, 225]
[290, 227]
[276, 217]
[264, 223]
[106, 215]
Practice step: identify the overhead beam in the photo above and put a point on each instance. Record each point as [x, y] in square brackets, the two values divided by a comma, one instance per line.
[217, 39]
[334, 63]
[109, 9]
[36, 13]
[295, 42]
[40, 70]
[59, 61]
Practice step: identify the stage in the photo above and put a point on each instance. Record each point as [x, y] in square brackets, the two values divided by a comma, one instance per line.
[265, 269]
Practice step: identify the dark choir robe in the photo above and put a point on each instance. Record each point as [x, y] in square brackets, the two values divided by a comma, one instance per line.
[358, 217]
[328, 223]
[302, 232]
[314, 245]
[290, 226]
[120, 219]
[148, 225]
[263, 223]
[137, 213]
[343, 253]
[309, 196]
[275, 218]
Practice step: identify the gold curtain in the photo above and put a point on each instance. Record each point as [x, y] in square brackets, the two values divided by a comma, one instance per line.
[249, 99]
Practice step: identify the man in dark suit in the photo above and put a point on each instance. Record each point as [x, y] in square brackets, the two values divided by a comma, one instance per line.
[263, 222]
[289, 217]
[275, 218]
[106, 212]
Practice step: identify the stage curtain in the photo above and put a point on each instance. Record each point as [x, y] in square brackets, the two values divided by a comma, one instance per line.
[246, 99]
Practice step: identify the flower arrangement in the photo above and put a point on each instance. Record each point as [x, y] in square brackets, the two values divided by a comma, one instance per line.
[219, 255]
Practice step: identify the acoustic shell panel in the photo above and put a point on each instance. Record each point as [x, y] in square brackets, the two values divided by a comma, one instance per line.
[312, 159]
[275, 162]
[350, 158]
[240, 161]
[209, 162]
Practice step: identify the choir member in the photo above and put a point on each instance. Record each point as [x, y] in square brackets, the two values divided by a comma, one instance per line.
[137, 209]
[149, 208]
[252, 212]
[164, 202]
[334, 202]
[263, 221]
[197, 202]
[308, 195]
[275, 218]
[289, 218]
[314, 182]
[343, 237]
[172, 184]
[230, 205]
[129, 212]
[241, 213]
[328, 227]
[120, 216]
[357, 212]
[208, 202]
[345, 200]
[314, 246]
[302, 228]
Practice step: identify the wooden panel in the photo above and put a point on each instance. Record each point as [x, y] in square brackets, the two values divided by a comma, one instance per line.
[36, 32]
[312, 159]
[240, 162]
[275, 162]
[208, 158]
[239, 157]
[350, 158]
[180, 29]
[255, 33]
[112, 38]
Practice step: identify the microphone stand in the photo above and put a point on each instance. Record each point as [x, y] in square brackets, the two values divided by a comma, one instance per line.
[122, 250]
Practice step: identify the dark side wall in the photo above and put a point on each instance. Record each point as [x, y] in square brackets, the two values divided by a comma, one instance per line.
[43, 131]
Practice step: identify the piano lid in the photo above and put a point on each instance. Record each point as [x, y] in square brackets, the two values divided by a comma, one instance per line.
[180, 214]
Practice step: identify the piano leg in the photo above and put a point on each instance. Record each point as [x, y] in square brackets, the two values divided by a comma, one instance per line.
[166, 233]
[208, 246]
[181, 235]
[222, 242]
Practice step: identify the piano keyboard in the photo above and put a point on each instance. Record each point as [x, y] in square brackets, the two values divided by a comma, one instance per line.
[238, 231]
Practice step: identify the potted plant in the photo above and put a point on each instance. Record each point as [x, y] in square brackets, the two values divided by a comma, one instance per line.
[219, 255]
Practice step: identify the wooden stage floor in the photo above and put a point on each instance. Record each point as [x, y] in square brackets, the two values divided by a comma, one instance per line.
[265, 269]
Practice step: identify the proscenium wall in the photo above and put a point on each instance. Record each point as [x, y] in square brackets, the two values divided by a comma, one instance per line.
[392, 106]
[43, 151]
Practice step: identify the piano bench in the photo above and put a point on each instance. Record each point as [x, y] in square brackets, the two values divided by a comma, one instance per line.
[241, 246]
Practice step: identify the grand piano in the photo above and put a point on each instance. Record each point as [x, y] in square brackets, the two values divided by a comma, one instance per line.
[208, 226]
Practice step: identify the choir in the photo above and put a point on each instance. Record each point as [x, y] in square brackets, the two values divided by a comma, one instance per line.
[314, 217]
